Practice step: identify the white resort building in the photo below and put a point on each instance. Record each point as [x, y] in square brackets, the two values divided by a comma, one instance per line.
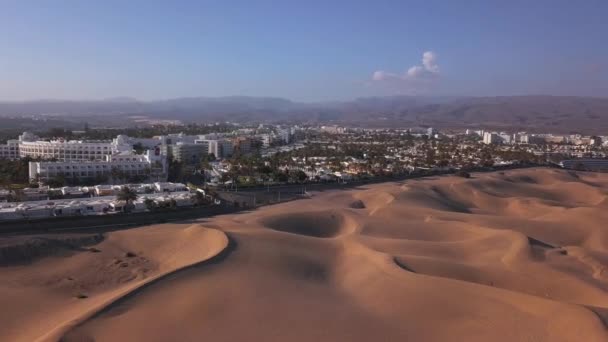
[69, 150]
[151, 165]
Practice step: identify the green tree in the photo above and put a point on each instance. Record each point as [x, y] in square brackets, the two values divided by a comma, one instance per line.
[150, 204]
[139, 148]
[128, 195]
[300, 176]
[57, 181]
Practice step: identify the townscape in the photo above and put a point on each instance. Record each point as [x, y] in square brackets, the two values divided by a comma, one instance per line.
[303, 171]
[57, 176]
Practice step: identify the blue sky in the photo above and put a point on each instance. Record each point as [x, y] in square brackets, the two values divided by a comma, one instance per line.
[302, 50]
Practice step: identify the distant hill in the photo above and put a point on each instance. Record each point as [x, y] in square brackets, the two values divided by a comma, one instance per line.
[537, 113]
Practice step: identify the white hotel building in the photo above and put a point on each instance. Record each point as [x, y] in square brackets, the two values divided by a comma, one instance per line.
[29, 145]
[152, 164]
[80, 160]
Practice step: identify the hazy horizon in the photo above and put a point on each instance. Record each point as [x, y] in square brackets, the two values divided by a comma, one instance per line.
[127, 99]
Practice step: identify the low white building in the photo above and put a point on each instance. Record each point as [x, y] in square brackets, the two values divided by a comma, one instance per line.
[142, 188]
[9, 213]
[89, 206]
[183, 199]
[169, 187]
[35, 194]
[4, 195]
[73, 208]
[96, 206]
[118, 206]
[35, 211]
[139, 205]
[104, 190]
[74, 191]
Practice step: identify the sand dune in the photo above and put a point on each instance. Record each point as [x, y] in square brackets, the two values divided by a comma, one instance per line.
[49, 296]
[510, 256]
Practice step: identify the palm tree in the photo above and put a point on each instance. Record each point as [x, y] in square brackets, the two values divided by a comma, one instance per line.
[128, 195]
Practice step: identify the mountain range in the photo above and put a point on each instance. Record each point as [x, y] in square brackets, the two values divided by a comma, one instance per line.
[532, 113]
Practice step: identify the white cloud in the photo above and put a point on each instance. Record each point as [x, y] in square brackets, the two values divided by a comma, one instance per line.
[415, 71]
[379, 75]
[417, 74]
[429, 60]
[384, 76]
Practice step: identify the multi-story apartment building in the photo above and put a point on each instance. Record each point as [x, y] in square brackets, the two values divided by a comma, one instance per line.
[172, 139]
[266, 140]
[10, 150]
[505, 138]
[242, 145]
[284, 135]
[151, 165]
[491, 138]
[227, 148]
[206, 144]
[189, 153]
[29, 145]
[213, 147]
[149, 143]
[219, 148]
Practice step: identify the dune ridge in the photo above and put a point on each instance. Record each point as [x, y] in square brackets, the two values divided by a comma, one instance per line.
[80, 287]
[508, 256]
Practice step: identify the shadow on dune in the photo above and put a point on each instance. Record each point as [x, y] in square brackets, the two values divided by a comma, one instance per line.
[403, 265]
[435, 197]
[539, 243]
[601, 313]
[357, 204]
[21, 250]
[323, 224]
